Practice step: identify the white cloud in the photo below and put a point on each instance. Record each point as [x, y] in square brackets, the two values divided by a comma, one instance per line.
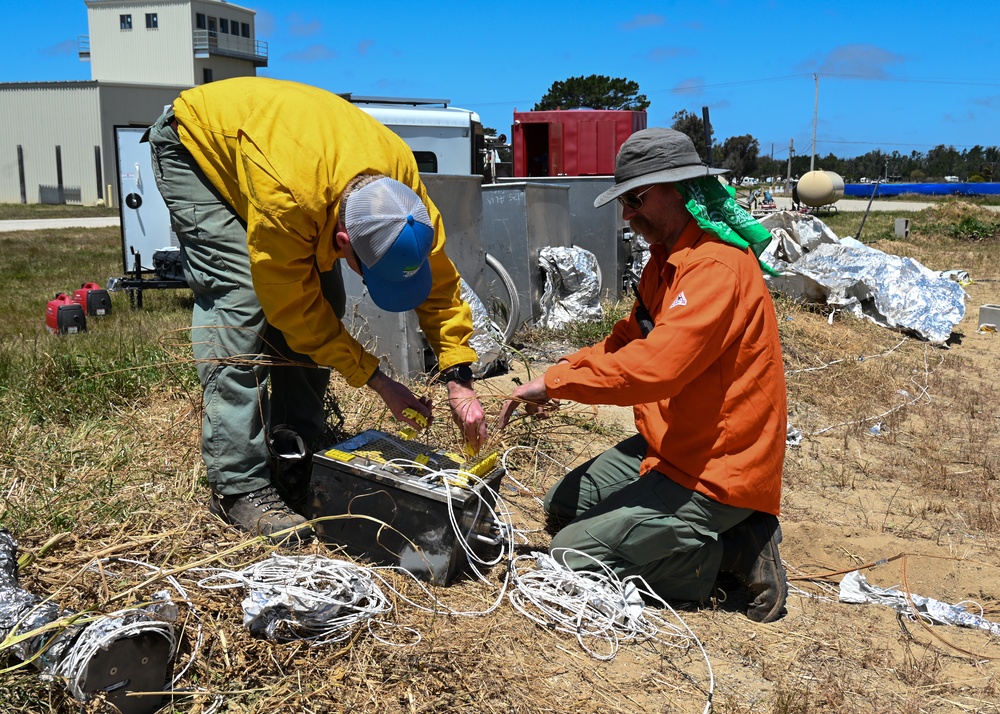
[659, 54]
[692, 86]
[314, 53]
[302, 27]
[640, 21]
[855, 60]
[69, 47]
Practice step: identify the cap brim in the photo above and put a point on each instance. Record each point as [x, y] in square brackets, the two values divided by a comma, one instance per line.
[683, 173]
[401, 295]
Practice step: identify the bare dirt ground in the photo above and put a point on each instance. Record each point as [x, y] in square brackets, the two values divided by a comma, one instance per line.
[921, 494]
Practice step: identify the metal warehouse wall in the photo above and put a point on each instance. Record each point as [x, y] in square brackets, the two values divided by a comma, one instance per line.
[39, 118]
[78, 118]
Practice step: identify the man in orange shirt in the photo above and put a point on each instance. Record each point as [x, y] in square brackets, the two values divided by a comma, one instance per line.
[696, 492]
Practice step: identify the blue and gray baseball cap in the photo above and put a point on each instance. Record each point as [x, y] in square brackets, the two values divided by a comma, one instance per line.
[390, 231]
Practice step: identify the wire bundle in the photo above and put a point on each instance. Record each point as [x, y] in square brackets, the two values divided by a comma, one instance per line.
[105, 631]
[590, 604]
[320, 600]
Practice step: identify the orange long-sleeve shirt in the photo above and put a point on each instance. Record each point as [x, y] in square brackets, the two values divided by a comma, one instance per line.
[707, 384]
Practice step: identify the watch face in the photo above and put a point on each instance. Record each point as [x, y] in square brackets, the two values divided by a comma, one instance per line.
[461, 373]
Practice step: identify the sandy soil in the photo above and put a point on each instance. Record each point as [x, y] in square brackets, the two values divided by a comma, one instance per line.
[852, 499]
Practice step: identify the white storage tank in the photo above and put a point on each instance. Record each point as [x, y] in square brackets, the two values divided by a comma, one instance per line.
[820, 188]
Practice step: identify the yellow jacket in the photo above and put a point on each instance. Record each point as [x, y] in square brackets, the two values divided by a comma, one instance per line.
[281, 153]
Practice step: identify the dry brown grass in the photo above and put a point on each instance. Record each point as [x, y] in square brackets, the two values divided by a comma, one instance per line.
[129, 483]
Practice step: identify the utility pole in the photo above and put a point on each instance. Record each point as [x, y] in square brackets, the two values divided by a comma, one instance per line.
[708, 133]
[791, 152]
[812, 160]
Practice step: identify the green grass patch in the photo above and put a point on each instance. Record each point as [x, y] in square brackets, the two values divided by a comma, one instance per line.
[29, 211]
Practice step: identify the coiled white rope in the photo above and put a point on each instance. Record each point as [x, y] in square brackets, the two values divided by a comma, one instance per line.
[597, 607]
[312, 598]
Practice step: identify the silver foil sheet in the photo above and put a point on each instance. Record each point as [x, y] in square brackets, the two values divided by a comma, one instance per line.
[572, 286]
[890, 290]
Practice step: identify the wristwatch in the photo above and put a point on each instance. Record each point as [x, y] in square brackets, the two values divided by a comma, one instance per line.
[458, 373]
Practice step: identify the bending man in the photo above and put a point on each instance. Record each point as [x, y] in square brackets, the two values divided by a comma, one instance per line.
[269, 183]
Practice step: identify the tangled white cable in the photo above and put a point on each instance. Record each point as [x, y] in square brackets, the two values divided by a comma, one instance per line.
[320, 600]
[596, 605]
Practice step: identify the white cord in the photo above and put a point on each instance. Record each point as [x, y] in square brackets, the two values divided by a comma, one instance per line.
[316, 599]
[596, 605]
[173, 582]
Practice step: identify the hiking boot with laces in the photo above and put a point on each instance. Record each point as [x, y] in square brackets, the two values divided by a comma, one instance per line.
[750, 553]
[262, 512]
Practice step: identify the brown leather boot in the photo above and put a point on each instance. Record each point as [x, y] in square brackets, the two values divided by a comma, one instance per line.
[263, 512]
[750, 553]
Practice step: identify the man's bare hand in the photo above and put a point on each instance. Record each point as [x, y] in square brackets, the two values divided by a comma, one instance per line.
[532, 396]
[399, 399]
[468, 414]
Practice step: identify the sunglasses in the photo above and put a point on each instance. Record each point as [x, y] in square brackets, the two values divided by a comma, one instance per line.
[633, 200]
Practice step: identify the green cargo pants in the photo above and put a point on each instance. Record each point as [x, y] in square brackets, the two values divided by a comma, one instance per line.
[229, 331]
[649, 526]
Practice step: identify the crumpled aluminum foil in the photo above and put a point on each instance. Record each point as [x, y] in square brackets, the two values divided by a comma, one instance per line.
[572, 290]
[485, 340]
[854, 588]
[889, 290]
[71, 648]
[22, 611]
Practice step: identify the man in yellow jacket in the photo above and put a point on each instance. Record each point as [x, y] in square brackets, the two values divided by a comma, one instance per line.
[269, 183]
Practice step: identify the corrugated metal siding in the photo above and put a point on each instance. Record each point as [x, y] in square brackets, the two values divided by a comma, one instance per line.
[76, 116]
[39, 118]
[223, 68]
[139, 71]
[141, 55]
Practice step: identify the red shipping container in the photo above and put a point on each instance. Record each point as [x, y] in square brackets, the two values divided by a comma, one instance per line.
[574, 142]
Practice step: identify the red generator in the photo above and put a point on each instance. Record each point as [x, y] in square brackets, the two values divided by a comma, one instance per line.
[63, 316]
[572, 142]
[93, 299]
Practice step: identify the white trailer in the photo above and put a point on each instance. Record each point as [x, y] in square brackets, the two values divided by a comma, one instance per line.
[444, 139]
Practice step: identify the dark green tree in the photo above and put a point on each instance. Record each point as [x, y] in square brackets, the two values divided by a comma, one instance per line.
[739, 155]
[691, 124]
[942, 161]
[594, 92]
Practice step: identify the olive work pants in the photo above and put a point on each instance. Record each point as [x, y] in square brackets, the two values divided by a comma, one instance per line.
[647, 525]
[232, 342]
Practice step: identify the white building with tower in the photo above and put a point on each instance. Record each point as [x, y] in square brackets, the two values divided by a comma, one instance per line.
[57, 140]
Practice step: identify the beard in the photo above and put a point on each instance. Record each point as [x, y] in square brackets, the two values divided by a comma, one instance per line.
[645, 228]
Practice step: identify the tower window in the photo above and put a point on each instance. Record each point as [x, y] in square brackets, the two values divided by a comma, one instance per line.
[152, 22]
[125, 22]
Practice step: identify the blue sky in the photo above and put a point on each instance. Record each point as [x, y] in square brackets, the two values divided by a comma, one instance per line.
[893, 75]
